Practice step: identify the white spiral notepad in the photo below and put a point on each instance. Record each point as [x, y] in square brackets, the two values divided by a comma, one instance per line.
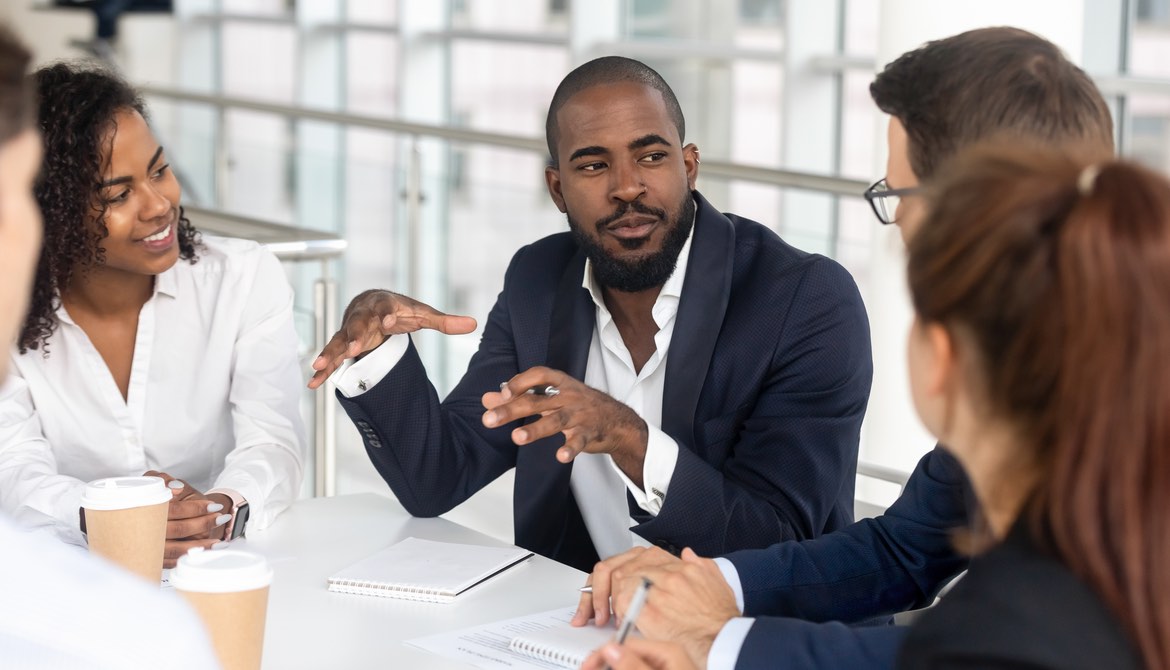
[425, 570]
[564, 645]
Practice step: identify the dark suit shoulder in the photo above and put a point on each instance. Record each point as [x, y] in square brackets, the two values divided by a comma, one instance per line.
[765, 262]
[1019, 607]
[543, 259]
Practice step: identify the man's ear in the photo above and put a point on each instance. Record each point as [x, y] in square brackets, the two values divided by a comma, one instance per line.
[691, 162]
[552, 178]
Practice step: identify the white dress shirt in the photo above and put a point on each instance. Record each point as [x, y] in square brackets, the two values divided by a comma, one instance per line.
[213, 397]
[65, 609]
[610, 369]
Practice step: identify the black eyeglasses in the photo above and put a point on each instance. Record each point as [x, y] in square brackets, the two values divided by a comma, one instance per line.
[884, 200]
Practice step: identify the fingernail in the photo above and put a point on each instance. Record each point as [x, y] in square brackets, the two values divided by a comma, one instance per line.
[490, 418]
[175, 484]
[319, 359]
[612, 652]
[219, 545]
[222, 519]
[214, 507]
[521, 436]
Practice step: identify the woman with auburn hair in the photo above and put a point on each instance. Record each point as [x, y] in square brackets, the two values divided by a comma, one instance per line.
[146, 349]
[1039, 356]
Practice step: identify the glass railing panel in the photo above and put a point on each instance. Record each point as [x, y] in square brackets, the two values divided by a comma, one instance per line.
[376, 12]
[487, 94]
[267, 73]
[1149, 130]
[372, 90]
[511, 16]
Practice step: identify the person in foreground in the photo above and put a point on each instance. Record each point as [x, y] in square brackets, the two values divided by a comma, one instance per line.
[145, 349]
[941, 98]
[1041, 288]
[707, 380]
[63, 608]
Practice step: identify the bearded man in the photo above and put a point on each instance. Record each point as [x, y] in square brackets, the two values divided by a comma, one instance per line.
[661, 373]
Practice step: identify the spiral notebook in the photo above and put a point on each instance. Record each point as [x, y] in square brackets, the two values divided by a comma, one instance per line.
[562, 645]
[425, 570]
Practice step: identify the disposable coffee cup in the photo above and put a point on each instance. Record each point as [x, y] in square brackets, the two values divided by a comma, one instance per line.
[229, 589]
[126, 521]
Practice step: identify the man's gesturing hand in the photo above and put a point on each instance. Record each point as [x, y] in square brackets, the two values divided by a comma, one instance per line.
[591, 421]
[372, 317]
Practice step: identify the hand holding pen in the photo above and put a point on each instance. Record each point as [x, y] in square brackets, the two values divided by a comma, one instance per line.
[590, 420]
[636, 604]
[638, 654]
[691, 604]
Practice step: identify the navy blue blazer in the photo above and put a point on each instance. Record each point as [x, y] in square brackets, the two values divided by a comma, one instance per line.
[875, 567]
[1020, 608]
[767, 380]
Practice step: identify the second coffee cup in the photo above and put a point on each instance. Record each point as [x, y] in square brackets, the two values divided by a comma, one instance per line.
[126, 522]
[229, 589]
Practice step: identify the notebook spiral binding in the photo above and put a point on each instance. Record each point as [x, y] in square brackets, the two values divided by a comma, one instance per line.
[400, 591]
[544, 653]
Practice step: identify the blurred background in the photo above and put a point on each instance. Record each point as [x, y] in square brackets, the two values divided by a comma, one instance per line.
[399, 144]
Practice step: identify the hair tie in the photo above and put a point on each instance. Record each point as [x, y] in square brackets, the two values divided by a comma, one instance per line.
[1088, 179]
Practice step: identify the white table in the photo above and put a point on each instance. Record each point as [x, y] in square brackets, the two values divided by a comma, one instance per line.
[310, 627]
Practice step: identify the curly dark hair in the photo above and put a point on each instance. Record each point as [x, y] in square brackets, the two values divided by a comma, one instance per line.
[78, 103]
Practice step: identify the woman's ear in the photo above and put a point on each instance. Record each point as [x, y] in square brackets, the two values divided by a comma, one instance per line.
[944, 372]
[933, 366]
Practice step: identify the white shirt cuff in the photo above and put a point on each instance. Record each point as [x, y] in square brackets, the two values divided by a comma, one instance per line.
[731, 576]
[725, 650]
[657, 469]
[356, 377]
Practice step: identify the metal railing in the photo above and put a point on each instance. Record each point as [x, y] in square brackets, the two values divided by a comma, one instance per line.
[875, 471]
[712, 168]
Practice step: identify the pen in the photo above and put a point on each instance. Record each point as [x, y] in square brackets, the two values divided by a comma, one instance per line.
[547, 389]
[636, 604]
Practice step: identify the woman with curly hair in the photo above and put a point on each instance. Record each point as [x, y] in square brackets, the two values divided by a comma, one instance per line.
[96, 615]
[146, 349]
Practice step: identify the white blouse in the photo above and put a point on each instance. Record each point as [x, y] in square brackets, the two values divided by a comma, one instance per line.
[213, 397]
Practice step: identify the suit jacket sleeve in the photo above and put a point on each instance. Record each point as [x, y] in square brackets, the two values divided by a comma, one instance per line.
[436, 455]
[802, 645]
[891, 563]
[791, 450]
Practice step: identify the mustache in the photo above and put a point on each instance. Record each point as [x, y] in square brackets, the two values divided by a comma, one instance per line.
[624, 208]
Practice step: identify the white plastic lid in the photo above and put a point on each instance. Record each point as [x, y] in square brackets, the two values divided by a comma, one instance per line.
[221, 571]
[124, 493]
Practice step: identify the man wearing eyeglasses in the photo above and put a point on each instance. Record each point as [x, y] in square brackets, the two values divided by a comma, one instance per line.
[941, 98]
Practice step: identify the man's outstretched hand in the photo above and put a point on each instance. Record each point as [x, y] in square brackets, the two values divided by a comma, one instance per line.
[374, 316]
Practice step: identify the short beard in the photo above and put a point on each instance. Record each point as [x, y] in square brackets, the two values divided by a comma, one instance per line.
[642, 273]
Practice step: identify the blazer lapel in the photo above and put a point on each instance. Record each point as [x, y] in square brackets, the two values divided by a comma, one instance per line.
[573, 317]
[545, 510]
[705, 294]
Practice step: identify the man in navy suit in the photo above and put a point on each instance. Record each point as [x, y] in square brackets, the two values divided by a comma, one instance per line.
[943, 97]
[699, 382]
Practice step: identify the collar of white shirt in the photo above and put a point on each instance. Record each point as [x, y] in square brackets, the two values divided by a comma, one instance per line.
[166, 283]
